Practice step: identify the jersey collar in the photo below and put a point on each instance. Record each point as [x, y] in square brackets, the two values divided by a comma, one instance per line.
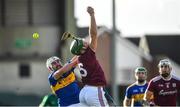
[166, 79]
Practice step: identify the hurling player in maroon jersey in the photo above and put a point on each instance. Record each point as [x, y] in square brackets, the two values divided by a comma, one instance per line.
[92, 94]
[165, 87]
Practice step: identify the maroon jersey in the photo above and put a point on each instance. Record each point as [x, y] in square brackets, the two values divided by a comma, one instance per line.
[92, 73]
[165, 91]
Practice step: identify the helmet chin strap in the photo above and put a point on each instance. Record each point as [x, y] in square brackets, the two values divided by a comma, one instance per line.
[50, 69]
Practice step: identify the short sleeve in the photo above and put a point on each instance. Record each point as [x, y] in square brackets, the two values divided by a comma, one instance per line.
[52, 81]
[128, 93]
[150, 86]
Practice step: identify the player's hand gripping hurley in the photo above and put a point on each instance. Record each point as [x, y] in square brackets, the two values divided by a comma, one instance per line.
[67, 35]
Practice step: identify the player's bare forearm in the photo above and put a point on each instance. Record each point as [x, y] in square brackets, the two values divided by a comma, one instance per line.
[92, 28]
[65, 68]
[74, 58]
[126, 102]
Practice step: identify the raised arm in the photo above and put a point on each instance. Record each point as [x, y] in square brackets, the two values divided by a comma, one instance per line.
[66, 68]
[92, 29]
[74, 58]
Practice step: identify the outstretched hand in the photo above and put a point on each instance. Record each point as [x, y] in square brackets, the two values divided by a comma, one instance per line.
[90, 10]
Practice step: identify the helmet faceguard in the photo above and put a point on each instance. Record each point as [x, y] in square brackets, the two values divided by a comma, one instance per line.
[164, 62]
[52, 60]
[76, 46]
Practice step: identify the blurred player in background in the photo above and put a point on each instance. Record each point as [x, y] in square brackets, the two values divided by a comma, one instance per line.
[63, 82]
[49, 100]
[92, 94]
[164, 88]
[135, 92]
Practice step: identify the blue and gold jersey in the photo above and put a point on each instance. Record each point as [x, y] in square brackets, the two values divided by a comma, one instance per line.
[136, 93]
[66, 88]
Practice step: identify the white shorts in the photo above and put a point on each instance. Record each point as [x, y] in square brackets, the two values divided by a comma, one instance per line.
[92, 96]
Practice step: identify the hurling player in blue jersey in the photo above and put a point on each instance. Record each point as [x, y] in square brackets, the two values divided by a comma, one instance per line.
[62, 81]
[135, 92]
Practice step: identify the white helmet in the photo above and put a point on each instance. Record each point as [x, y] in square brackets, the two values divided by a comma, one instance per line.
[164, 62]
[50, 61]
